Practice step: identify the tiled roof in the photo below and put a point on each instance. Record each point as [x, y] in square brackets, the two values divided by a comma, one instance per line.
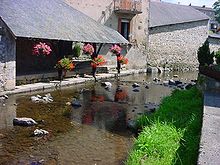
[54, 19]
[162, 13]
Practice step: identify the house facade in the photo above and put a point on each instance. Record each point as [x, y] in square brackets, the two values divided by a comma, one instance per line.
[213, 24]
[128, 17]
[214, 42]
[175, 34]
[7, 58]
[22, 27]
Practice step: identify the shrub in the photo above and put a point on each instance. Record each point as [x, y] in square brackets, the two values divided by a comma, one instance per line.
[217, 57]
[204, 55]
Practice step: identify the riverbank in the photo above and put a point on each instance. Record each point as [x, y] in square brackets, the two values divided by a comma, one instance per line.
[172, 134]
[67, 82]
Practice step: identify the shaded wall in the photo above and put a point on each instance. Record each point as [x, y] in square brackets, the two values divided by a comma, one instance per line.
[176, 45]
[7, 58]
[27, 63]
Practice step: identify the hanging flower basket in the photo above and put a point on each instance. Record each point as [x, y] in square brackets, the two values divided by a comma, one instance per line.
[98, 61]
[88, 49]
[115, 49]
[41, 49]
[122, 60]
[64, 65]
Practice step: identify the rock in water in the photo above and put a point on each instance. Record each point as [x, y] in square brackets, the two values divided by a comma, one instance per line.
[165, 83]
[35, 99]
[172, 82]
[131, 124]
[40, 132]
[136, 90]
[178, 82]
[38, 98]
[24, 121]
[76, 103]
[135, 85]
[5, 96]
[106, 84]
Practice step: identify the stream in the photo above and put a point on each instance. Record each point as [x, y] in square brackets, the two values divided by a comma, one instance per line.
[94, 133]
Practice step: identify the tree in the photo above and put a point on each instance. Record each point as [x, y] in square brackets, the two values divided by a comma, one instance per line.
[204, 55]
[216, 7]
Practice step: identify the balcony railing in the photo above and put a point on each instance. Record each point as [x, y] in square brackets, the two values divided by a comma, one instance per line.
[128, 6]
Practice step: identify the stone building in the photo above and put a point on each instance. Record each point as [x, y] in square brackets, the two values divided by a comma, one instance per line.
[175, 34]
[27, 22]
[129, 17]
[214, 42]
[213, 24]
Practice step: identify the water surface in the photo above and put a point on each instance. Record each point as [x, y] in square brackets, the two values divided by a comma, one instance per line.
[95, 133]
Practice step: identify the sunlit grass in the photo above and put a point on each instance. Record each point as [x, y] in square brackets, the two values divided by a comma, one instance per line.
[175, 129]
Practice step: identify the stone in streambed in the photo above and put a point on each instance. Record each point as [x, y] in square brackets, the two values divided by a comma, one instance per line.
[40, 132]
[24, 121]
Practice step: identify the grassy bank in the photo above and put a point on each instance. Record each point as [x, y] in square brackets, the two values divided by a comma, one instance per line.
[172, 134]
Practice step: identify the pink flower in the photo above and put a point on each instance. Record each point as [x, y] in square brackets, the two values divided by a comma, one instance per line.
[41, 49]
[115, 49]
[88, 49]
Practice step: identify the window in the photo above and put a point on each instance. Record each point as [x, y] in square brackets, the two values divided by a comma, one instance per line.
[124, 28]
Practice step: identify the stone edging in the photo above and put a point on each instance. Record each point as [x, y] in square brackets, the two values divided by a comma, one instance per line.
[66, 82]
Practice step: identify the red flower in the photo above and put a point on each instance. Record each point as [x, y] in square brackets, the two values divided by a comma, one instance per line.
[122, 59]
[98, 61]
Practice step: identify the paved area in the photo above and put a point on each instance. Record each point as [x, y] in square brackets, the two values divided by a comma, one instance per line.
[68, 82]
[210, 139]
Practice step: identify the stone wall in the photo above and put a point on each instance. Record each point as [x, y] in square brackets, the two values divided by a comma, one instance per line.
[176, 45]
[214, 43]
[7, 58]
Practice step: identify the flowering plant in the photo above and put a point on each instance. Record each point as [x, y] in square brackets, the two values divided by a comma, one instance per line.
[65, 64]
[98, 61]
[115, 49]
[41, 49]
[88, 49]
[123, 60]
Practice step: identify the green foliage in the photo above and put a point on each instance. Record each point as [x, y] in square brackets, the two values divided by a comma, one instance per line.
[77, 50]
[217, 56]
[182, 111]
[65, 63]
[156, 145]
[216, 7]
[204, 55]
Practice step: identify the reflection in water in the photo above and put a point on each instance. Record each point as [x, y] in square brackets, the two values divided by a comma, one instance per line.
[7, 112]
[95, 133]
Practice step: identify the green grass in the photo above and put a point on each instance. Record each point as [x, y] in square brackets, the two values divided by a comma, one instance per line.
[173, 131]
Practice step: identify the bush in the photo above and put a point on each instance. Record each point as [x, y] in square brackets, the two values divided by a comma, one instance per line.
[217, 57]
[204, 55]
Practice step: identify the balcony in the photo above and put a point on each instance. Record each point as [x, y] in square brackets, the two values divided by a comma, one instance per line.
[128, 6]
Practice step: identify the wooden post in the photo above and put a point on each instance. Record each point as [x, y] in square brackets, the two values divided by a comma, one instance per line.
[95, 54]
[118, 64]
